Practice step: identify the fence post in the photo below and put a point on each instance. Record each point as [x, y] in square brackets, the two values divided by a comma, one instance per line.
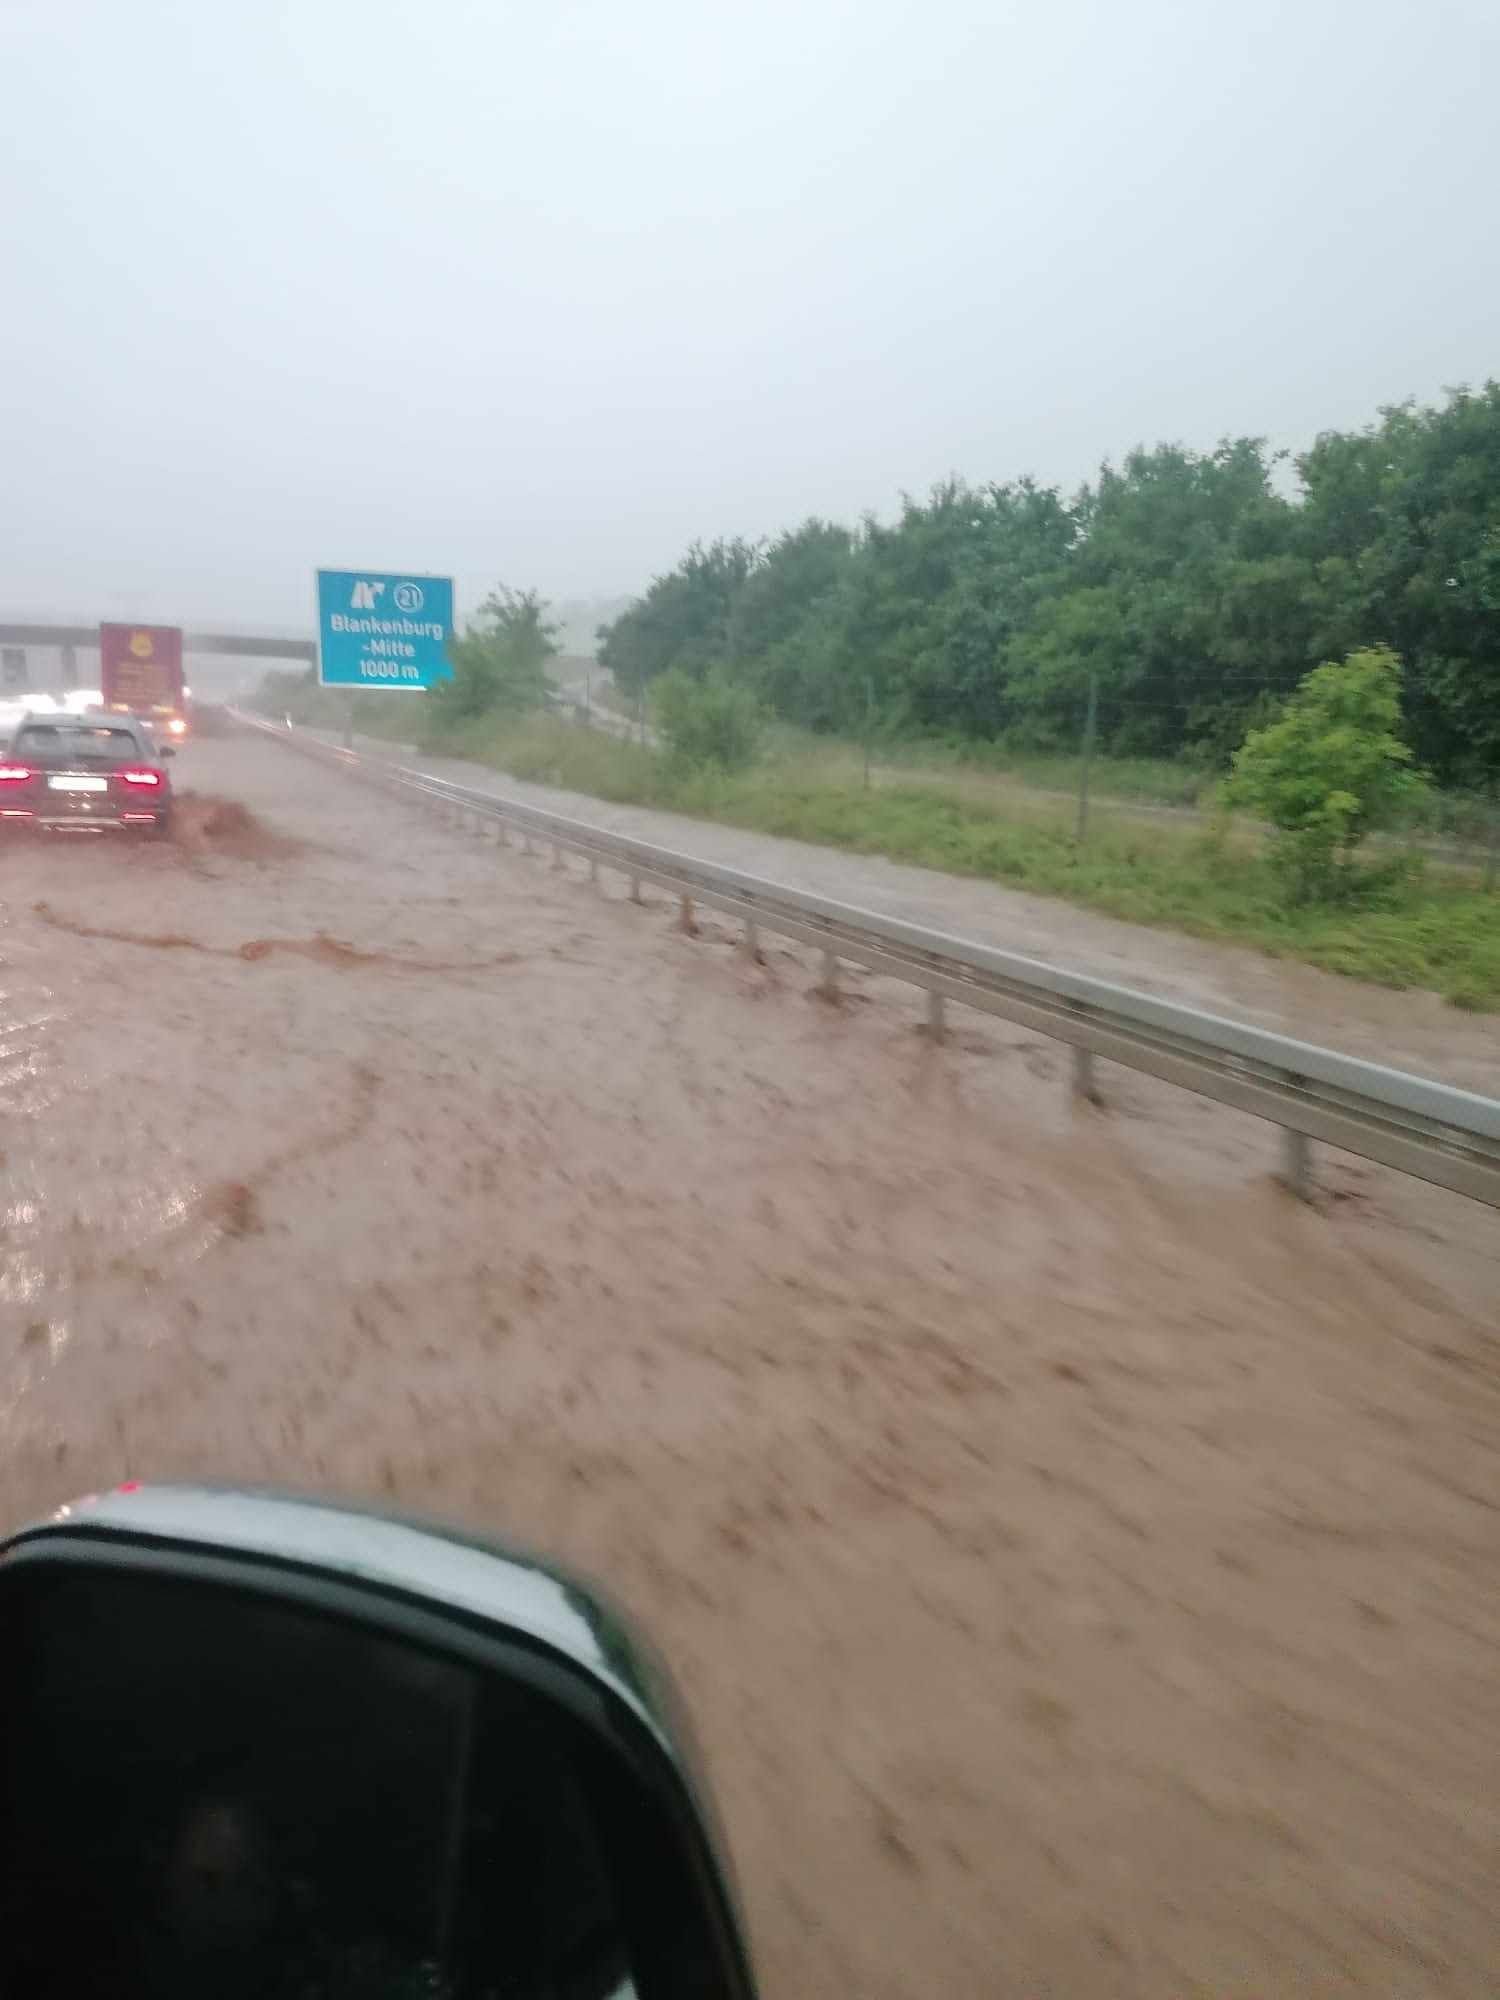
[1090, 724]
[937, 1016]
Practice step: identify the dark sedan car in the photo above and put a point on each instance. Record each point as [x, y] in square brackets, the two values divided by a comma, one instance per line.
[85, 774]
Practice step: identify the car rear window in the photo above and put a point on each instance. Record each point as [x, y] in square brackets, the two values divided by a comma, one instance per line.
[53, 739]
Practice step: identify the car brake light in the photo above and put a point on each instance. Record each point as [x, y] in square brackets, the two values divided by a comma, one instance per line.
[15, 774]
[145, 779]
[177, 727]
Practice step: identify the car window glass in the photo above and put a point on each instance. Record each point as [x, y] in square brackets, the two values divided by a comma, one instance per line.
[402, 1826]
[47, 739]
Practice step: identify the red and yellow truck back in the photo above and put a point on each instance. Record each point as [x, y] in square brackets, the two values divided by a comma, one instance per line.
[140, 674]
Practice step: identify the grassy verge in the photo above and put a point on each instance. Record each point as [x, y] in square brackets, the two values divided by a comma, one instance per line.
[1162, 781]
[1462, 819]
[1435, 930]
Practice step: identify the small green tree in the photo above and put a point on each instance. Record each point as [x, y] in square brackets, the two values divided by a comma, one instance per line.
[710, 723]
[1331, 767]
[500, 662]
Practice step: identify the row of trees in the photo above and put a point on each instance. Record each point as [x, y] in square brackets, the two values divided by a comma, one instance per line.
[1192, 586]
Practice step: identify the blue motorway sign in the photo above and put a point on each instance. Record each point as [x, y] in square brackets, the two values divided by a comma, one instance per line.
[383, 630]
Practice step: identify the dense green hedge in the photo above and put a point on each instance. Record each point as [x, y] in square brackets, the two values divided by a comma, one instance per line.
[1198, 586]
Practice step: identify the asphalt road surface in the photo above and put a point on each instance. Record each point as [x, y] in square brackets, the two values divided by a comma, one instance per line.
[1081, 1558]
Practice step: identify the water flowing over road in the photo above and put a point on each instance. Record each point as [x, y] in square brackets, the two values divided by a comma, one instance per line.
[1081, 1558]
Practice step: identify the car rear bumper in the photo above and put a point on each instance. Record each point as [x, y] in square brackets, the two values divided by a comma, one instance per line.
[52, 822]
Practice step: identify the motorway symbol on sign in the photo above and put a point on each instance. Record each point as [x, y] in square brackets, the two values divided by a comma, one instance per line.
[383, 629]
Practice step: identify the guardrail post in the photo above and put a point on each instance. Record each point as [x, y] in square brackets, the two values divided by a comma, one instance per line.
[1083, 1075]
[829, 986]
[635, 889]
[937, 1016]
[1296, 1163]
[751, 945]
[685, 920]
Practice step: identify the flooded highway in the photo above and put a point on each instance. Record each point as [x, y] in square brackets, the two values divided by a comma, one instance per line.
[1080, 1558]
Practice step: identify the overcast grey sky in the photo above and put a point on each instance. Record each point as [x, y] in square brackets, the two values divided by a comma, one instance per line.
[543, 289]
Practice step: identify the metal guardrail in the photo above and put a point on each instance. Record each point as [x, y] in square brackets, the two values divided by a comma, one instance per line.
[1429, 1130]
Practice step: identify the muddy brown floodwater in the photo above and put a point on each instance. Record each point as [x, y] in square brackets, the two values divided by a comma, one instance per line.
[1080, 1558]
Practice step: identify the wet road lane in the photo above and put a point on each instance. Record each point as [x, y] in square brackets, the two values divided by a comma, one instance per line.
[1080, 1558]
